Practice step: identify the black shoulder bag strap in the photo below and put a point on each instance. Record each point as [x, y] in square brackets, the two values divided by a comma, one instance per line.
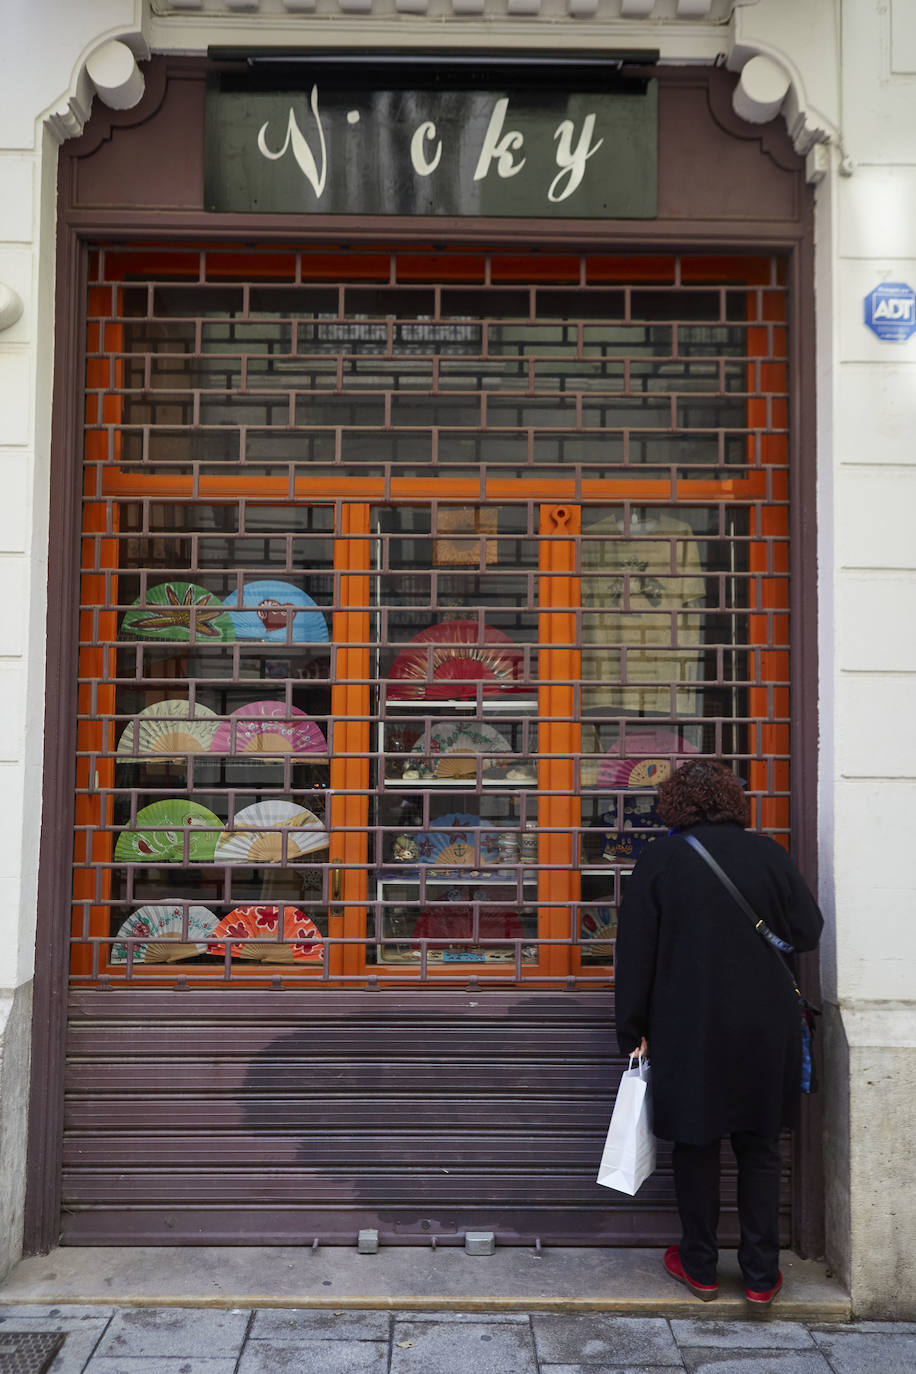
[779, 947]
[761, 927]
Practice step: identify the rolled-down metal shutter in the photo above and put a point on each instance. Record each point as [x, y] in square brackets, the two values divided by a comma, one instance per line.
[399, 1013]
[225, 1118]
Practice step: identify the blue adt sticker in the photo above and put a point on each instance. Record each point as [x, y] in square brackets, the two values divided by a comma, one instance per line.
[890, 311]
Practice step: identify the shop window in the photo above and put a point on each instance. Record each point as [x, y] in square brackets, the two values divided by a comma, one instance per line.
[400, 594]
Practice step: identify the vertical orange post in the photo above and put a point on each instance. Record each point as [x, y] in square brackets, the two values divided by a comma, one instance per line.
[768, 633]
[559, 733]
[350, 706]
[98, 633]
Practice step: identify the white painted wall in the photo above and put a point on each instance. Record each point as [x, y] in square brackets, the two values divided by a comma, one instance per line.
[24, 444]
[45, 46]
[874, 467]
[867, 549]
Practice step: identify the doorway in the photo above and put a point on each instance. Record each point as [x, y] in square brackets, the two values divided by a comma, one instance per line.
[406, 575]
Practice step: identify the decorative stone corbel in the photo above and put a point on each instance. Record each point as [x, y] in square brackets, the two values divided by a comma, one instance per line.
[761, 91]
[787, 54]
[10, 306]
[111, 72]
[68, 121]
[114, 73]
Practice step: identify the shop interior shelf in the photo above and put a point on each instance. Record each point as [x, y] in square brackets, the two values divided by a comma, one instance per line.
[460, 784]
[434, 706]
[475, 878]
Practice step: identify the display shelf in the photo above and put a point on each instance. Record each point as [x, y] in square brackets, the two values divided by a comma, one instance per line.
[459, 784]
[410, 877]
[433, 706]
[479, 742]
[461, 741]
[505, 956]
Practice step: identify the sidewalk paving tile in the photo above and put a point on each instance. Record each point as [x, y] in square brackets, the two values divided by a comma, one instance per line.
[325, 1340]
[447, 1316]
[76, 1352]
[865, 1328]
[606, 1368]
[59, 1312]
[159, 1364]
[755, 1362]
[166, 1332]
[309, 1356]
[444, 1347]
[595, 1340]
[857, 1352]
[752, 1335]
[288, 1323]
[52, 1319]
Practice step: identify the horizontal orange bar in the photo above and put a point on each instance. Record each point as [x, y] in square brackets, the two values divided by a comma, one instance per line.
[121, 484]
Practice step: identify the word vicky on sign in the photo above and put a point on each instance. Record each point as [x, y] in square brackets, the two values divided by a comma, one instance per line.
[433, 152]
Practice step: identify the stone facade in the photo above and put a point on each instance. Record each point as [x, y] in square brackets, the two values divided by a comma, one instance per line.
[15, 1039]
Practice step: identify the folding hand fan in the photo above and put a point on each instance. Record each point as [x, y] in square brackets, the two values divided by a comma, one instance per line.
[159, 831]
[277, 612]
[644, 762]
[257, 927]
[450, 842]
[451, 659]
[167, 728]
[162, 931]
[268, 728]
[166, 613]
[258, 833]
[454, 747]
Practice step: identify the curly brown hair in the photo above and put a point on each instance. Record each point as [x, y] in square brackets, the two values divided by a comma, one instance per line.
[702, 790]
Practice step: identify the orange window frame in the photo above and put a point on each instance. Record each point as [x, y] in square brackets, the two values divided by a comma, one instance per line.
[764, 491]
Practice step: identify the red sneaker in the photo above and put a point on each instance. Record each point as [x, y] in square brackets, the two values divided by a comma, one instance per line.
[762, 1299]
[705, 1291]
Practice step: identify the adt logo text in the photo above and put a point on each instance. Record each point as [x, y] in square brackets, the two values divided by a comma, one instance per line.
[890, 311]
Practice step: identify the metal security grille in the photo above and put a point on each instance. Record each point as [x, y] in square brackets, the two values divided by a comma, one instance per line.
[406, 576]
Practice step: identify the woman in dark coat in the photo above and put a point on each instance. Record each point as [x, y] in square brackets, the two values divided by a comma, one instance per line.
[697, 983]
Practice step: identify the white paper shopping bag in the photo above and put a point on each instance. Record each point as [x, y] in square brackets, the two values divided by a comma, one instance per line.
[629, 1151]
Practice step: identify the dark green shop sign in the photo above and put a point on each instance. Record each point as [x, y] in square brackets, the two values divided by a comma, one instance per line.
[434, 152]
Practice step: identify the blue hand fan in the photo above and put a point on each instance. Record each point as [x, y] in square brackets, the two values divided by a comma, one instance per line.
[266, 610]
[450, 842]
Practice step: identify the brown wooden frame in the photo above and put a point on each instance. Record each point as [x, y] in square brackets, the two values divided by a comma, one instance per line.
[80, 223]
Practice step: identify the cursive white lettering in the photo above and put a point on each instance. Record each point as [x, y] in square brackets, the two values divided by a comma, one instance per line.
[301, 150]
[499, 148]
[422, 165]
[572, 161]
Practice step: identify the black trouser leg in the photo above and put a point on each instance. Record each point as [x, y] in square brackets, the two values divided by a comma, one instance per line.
[759, 1169]
[696, 1187]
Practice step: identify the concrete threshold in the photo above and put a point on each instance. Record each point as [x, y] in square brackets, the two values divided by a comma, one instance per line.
[405, 1278]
